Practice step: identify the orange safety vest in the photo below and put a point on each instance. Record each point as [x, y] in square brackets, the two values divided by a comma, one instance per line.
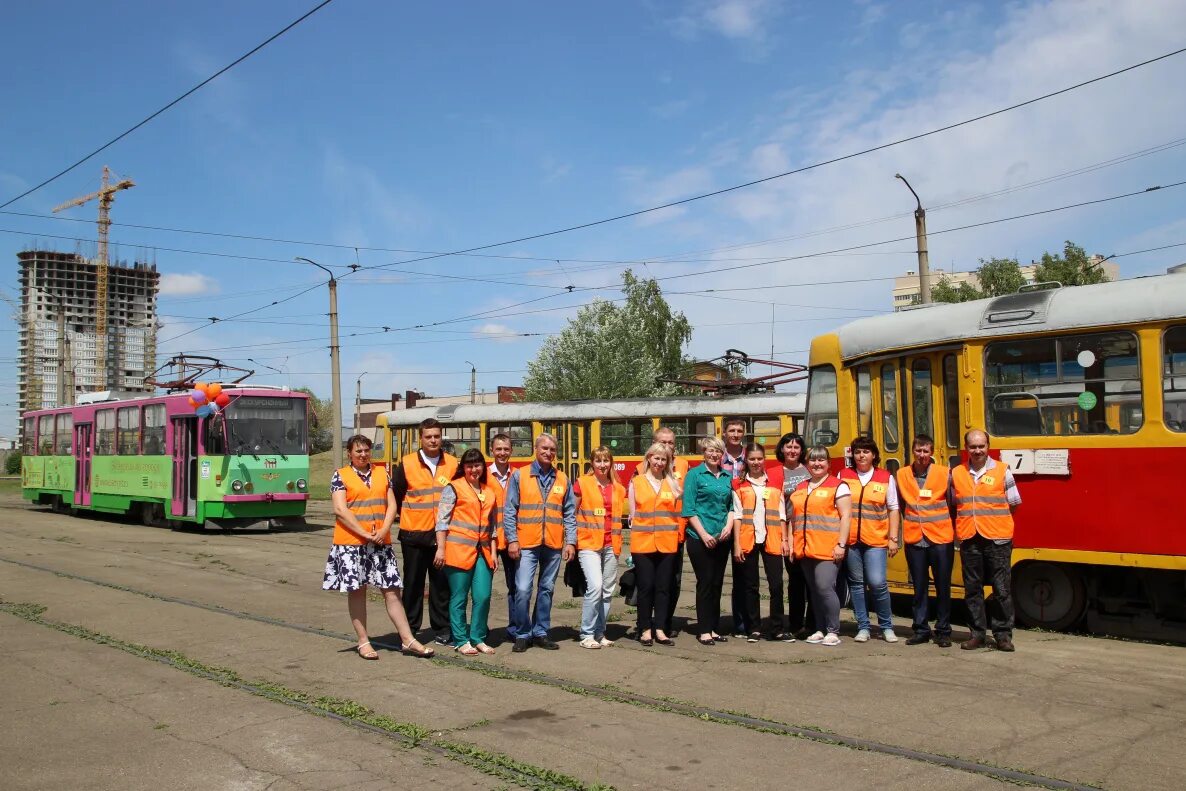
[418, 514]
[924, 511]
[367, 503]
[500, 493]
[541, 520]
[591, 515]
[469, 526]
[655, 526]
[980, 505]
[816, 519]
[870, 509]
[747, 531]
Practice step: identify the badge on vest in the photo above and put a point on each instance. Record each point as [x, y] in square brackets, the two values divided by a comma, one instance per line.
[987, 480]
[481, 497]
[924, 492]
[878, 488]
[598, 512]
[666, 496]
[822, 492]
[677, 475]
[442, 480]
[557, 489]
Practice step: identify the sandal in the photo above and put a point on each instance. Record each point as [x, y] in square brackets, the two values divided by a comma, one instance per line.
[484, 649]
[705, 640]
[370, 653]
[466, 650]
[422, 652]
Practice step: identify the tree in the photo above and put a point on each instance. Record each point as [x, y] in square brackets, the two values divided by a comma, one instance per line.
[946, 291]
[613, 351]
[996, 276]
[1072, 268]
[12, 463]
[321, 422]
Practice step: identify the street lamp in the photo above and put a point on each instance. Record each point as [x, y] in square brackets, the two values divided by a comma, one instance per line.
[358, 402]
[333, 357]
[473, 382]
[920, 232]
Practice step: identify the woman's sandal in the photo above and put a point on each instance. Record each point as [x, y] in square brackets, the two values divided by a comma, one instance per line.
[369, 653]
[421, 652]
[705, 640]
[484, 649]
[466, 650]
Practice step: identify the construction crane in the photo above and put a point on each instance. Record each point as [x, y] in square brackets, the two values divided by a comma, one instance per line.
[106, 196]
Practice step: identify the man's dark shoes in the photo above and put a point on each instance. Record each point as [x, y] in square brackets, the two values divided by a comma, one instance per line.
[521, 644]
[442, 638]
[545, 643]
[918, 639]
[1005, 644]
[973, 643]
[943, 641]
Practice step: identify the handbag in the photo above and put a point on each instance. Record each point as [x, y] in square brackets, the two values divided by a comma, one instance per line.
[574, 577]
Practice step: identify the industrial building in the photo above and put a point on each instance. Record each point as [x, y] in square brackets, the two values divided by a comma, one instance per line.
[59, 303]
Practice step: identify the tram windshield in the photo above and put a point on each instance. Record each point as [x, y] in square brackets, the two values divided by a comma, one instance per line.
[264, 424]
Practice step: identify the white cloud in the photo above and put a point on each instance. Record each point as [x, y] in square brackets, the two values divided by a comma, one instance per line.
[499, 333]
[179, 284]
[739, 20]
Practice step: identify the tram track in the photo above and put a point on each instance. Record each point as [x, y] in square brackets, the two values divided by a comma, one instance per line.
[606, 693]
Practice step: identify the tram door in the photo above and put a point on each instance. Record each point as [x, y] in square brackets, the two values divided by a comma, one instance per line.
[185, 465]
[82, 463]
[572, 446]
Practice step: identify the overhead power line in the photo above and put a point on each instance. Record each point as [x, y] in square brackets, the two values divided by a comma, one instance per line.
[173, 103]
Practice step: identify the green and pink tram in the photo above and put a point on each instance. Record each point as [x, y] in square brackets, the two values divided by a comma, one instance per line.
[152, 457]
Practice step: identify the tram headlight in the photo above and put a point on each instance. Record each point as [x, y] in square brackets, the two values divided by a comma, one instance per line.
[302, 484]
[249, 487]
[236, 486]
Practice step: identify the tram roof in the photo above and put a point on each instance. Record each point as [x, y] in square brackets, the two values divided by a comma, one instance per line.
[524, 411]
[1144, 299]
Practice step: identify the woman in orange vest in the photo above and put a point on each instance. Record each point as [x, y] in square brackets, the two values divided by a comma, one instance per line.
[364, 507]
[759, 519]
[821, 508]
[876, 533]
[601, 504]
[466, 521]
[655, 506]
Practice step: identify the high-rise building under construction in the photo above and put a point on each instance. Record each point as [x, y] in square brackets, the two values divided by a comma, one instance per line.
[58, 348]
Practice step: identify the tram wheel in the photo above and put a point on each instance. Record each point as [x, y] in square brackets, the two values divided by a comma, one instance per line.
[1049, 595]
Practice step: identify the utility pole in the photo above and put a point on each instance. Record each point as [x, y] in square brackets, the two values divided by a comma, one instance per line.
[920, 232]
[333, 358]
[473, 383]
[358, 402]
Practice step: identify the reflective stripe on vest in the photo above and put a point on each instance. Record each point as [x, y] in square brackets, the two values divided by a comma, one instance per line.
[746, 531]
[981, 505]
[924, 511]
[870, 508]
[590, 524]
[469, 527]
[418, 512]
[367, 503]
[655, 524]
[541, 521]
[816, 519]
[500, 501]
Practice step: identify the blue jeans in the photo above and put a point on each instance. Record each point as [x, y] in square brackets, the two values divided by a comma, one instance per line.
[866, 566]
[546, 562]
[601, 572]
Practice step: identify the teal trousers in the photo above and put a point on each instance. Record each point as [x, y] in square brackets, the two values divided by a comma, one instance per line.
[462, 584]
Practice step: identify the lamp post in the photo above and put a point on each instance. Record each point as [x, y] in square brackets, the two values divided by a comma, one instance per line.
[333, 357]
[920, 233]
[358, 402]
[473, 383]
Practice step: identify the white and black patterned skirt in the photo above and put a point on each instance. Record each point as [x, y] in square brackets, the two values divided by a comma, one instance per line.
[350, 567]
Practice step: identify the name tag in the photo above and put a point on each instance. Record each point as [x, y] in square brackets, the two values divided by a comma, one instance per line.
[481, 497]
[988, 480]
[677, 475]
[822, 492]
[557, 489]
[598, 512]
[666, 496]
[924, 492]
[442, 480]
[878, 488]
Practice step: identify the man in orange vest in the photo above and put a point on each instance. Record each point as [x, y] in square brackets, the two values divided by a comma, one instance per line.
[666, 437]
[929, 539]
[985, 497]
[540, 522]
[500, 473]
[418, 481]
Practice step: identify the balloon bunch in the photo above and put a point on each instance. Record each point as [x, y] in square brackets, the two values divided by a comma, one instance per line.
[207, 399]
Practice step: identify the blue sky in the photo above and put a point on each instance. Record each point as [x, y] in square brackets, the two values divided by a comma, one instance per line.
[436, 127]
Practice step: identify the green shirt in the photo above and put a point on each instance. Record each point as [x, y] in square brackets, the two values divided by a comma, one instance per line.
[708, 497]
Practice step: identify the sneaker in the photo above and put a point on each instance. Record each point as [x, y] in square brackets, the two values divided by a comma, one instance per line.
[817, 637]
[753, 637]
[605, 642]
[832, 639]
[589, 642]
[889, 636]
[784, 637]
[862, 636]
[442, 638]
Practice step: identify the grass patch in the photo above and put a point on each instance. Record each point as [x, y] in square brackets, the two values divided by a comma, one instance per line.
[10, 486]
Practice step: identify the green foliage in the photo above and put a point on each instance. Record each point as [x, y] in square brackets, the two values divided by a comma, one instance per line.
[1072, 268]
[997, 277]
[946, 291]
[321, 423]
[12, 463]
[613, 351]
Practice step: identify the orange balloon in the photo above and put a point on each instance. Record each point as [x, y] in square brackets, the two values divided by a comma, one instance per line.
[213, 390]
[192, 403]
[205, 388]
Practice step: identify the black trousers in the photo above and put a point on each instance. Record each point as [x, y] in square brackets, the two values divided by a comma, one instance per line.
[654, 574]
[675, 585]
[937, 559]
[510, 569]
[709, 565]
[417, 566]
[985, 560]
[746, 573]
[798, 599]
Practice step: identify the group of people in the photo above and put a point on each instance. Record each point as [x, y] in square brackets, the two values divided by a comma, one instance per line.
[795, 522]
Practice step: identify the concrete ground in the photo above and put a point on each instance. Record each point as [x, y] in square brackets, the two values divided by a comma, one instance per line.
[137, 656]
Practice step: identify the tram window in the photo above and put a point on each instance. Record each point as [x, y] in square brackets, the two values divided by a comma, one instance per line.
[214, 439]
[889, 408]
[626, 437]
[105, 432]
[920, 398]
[687, 432]
[128, 438]
[520, 434]
[28, 439]
[1174, 382]
[822, 422]
[1064, 386]
[462, 438]
[154, 430]
[63, 435]
[765, 431]
[864, 402]
[951, 400]
[45, 435]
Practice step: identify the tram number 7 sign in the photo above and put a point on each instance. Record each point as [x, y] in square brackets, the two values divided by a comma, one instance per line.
[1020, 461]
